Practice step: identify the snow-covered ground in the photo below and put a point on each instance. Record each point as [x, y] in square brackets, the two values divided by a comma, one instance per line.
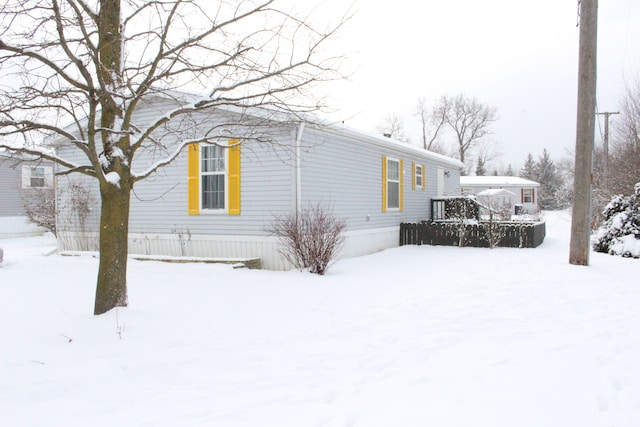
[413, 336]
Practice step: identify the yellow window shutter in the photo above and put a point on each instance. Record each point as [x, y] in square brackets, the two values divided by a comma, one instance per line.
[384, 183]
[401, 186]
[424, 176]
[234, 176]
[413, 175]
[193, 179]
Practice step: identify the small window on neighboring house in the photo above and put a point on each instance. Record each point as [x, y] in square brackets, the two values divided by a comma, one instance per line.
[527, 195]
[37, 176]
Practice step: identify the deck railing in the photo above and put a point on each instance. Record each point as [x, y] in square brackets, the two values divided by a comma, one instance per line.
[447, 233]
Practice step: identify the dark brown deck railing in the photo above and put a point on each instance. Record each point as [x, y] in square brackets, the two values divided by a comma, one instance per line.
[445, 233]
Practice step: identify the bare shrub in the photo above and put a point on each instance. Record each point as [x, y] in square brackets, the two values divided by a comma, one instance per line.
[494, 229]
[76, 205]
[310, 240]
[40, 207]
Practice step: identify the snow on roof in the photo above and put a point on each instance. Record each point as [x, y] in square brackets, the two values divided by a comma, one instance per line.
[495, 192]
[496, 181]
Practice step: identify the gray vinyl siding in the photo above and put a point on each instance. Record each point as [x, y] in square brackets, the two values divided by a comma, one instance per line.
[266, 191]
[159, 203]
[10, 189]
[12, 193]
[344, 173]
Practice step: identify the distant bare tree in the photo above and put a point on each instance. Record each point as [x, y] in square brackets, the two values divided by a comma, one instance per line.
[623, 170]
[467, 118]
[393, 127]
[624, 160]
[83, 68]
[431, 125]
[486, 154]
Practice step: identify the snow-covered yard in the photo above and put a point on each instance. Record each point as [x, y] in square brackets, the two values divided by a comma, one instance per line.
[414, 336]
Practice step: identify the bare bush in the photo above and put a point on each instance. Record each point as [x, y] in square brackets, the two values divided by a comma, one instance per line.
[310, 240]
[76, 205]
[494, 229]
[40, 207]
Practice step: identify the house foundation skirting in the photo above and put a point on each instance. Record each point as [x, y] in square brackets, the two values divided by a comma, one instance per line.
[357, 243]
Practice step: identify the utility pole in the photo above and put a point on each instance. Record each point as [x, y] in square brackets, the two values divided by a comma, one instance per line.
[606, 143]
[585, 132]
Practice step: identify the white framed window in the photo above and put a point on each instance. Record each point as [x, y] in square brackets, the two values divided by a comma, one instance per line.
[37, 176]
[393, 184]
[419, 178]
[213, 171]
[527, 195]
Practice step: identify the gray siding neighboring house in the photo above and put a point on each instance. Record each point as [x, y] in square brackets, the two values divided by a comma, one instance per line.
[524, 192]
[20, 179]
[351, 173]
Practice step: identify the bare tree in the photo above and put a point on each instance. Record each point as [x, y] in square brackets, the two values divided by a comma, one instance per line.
[431, 123]
[393, 127]
[467, 118]
[486, 154]
[624, 160]
[84, 67]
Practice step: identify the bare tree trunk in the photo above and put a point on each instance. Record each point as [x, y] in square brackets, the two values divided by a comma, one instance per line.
[111, 290]
[115, 180]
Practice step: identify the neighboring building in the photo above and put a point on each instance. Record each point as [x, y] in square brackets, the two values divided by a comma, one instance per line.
[523, 195]
[219, 202]
[20, 180]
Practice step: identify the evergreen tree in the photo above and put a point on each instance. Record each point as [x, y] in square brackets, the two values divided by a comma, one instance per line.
[480, 170]
[509, 171]
[550, 181]
[528, 171]
[620, 232]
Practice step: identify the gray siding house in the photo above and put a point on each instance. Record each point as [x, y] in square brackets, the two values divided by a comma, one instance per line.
[20, 180]
[219, 200]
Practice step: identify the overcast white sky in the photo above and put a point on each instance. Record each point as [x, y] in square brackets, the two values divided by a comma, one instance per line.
[519, 56]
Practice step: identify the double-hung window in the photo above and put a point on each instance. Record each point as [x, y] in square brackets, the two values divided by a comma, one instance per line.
[213, 174]
[36, 177]
[393, 184]
[213, 178]
[418, 178]
[418, 181]
[527, 195]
